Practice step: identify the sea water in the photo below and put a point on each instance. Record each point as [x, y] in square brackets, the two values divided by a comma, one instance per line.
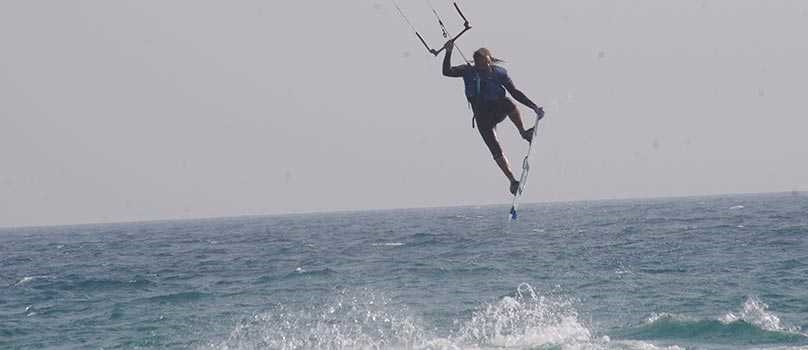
[725, 272]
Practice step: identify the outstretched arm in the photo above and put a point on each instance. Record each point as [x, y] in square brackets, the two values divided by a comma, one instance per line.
[448, 70]
[519, 96]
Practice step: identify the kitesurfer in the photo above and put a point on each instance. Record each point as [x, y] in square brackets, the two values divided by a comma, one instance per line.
[485, 84]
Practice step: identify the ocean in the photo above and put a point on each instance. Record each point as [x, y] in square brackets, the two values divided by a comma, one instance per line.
[719, 272]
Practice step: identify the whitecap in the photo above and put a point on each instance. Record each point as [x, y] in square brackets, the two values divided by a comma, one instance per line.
[389, 244]
[526, 320]
[366, 319]
[350, 320]
[28, 279]
[622, 271]
[640, 345]
[756, 312]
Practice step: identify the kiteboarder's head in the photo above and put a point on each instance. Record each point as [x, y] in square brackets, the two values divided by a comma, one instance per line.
[483, 58]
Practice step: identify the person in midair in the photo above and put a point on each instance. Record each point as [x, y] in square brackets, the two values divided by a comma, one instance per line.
[486, 84]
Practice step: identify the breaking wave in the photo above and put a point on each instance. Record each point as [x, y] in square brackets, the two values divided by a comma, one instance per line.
[367, 319]
[753, 325]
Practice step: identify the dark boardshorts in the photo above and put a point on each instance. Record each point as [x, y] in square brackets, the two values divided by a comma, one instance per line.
[488, 115]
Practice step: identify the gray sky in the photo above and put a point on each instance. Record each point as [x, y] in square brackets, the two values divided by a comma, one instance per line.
[135, 110]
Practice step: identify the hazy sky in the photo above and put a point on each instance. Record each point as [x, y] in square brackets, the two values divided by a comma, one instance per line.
[117, 110]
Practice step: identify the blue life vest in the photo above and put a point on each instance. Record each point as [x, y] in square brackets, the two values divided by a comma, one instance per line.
[485, 87]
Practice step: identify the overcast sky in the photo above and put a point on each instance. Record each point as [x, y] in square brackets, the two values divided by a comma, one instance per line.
[137, 110]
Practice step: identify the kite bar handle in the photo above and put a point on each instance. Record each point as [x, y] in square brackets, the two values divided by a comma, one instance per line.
[431, 50]
[434, 52]
[466, 27]
[466, 24]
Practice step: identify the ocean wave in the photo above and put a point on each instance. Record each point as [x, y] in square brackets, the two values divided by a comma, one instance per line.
[77, 283]
[526, 319]
[28, 279]
[755, 312]
[753, 325]
[711, 331]
[387, 244]
[366, 319]
[350, 320]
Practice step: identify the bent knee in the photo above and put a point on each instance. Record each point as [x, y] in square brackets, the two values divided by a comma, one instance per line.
[514, 113]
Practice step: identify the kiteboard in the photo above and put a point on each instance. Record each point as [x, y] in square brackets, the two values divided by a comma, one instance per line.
[525, 170]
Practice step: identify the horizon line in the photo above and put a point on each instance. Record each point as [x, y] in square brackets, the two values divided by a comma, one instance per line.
[338, 211]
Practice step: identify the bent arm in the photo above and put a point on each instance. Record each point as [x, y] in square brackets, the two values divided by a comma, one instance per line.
[519, 96]
[448, 70]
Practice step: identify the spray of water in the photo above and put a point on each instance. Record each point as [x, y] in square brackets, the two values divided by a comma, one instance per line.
[526, 319]
[756, 312]
[367, 319]
[351, 320]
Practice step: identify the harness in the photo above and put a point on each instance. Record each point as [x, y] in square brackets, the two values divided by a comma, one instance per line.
[474, 113]
[476, 95]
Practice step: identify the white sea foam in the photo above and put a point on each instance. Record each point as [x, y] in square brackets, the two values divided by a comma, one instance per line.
[367, 320]
[351, 320]
[663, 316]
[28, 279]
[756, 312]
[639, 345]
[390, 244]
[526, 320]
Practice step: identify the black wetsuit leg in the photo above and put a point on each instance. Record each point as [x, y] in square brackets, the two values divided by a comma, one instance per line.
[488, 115]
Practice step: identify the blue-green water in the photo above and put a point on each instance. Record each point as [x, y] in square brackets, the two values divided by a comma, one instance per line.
[727, 272]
